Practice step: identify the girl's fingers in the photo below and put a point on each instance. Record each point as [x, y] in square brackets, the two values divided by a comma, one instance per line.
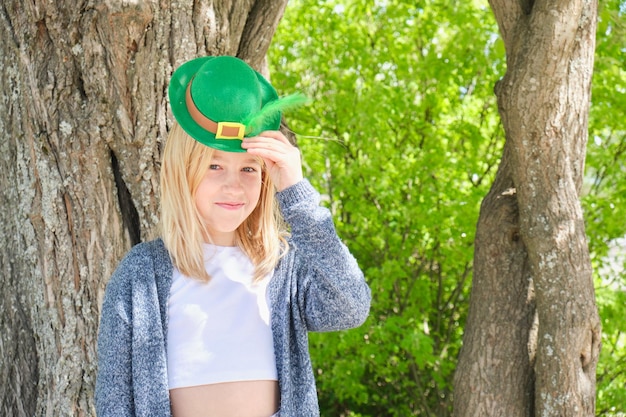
[282, 158]
[270, 144]
[272, 139]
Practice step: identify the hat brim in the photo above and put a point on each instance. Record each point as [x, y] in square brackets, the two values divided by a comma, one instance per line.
[177, 94]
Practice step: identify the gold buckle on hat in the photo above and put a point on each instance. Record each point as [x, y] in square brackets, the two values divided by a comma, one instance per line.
[230, 130]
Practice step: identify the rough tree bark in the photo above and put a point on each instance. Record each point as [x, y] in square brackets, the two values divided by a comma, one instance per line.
[83, 114]
[532, 337]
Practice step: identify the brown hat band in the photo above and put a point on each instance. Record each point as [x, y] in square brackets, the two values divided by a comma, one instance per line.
[222, 130]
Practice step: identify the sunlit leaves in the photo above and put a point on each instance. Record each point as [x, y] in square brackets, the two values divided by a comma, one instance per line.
[402, 137]
[604, 200]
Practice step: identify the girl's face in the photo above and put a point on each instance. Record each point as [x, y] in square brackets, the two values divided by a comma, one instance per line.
[228, 193]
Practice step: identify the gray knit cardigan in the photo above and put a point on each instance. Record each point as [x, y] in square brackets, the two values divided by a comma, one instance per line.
[317, 286]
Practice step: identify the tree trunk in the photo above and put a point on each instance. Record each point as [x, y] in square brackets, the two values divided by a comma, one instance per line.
[83, 116]
[532, 338]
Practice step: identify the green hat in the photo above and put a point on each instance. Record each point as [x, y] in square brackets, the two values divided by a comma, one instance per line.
[220, 100]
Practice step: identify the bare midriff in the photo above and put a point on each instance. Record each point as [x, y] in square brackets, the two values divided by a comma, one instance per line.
[228, 399]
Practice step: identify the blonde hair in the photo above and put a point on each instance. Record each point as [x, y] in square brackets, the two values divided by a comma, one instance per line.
[261, 236]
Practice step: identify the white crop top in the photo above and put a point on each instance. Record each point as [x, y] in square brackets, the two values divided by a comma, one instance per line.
[219, 331]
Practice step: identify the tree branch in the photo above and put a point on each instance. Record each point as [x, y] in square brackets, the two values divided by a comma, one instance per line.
[508, 15]
[258, 31]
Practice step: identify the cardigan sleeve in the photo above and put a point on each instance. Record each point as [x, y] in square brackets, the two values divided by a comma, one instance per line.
[114, 395]
[332, 292]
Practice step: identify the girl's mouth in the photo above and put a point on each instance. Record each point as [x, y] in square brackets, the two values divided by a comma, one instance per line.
[230, 206]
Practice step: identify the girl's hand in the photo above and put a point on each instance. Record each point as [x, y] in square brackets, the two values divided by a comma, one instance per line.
[283, 161]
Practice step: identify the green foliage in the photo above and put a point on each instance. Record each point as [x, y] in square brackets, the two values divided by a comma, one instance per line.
[605, 201]
[611, 380]
[402, 138]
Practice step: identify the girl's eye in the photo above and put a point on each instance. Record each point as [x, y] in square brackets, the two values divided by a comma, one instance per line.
[214, 166]
[249, 169]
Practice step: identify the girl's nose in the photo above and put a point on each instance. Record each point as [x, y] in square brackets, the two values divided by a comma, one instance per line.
[233, 180]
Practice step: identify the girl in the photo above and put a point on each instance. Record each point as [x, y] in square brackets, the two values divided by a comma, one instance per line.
[211, 319]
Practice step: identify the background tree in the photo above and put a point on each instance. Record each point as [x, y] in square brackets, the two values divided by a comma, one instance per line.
[533, 279]
[83, 114]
